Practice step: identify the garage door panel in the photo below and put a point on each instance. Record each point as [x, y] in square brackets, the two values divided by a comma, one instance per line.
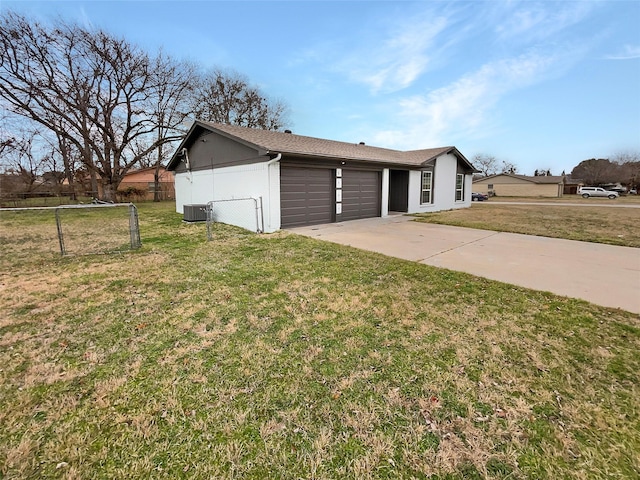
[360, 194]
[306, 196]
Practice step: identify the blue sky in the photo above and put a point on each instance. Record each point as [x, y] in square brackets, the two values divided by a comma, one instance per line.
[539, 84]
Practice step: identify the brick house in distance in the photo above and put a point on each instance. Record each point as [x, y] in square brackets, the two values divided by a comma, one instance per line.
[513, 185]
[142, 180]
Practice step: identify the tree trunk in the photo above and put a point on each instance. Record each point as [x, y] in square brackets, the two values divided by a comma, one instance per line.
[68, 173]
[156, 176]
[94, 184]
[109, 192]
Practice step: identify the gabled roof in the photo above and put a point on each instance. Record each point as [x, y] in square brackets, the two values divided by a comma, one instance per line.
[142, 170]
[271, 143]
[541, 179]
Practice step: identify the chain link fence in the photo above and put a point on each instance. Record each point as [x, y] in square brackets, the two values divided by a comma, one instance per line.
[242, 212]
[70, 229]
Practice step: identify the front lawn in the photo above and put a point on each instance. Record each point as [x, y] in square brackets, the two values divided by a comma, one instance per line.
[592, 223]
[281, 356]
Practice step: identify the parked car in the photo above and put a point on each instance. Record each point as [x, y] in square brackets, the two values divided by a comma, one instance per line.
[587, 192]
[479, 197]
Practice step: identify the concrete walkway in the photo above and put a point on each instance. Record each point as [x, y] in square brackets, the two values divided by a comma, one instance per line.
[602, 274]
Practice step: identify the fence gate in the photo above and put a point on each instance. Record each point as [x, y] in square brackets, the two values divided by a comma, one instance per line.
[241, 212]
[80, 229]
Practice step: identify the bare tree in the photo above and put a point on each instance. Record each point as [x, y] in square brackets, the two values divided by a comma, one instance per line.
[96, 92]
[227, 97]
[23, 161]
[629, 167]
[627, 156]
[64, 160]
[508, 167]
[487, 164]
[6, 144]
[175, 87]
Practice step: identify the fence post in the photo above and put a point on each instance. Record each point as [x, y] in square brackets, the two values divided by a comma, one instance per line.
[261, 215]
[60, 236]
[134, 227]
[209, 220]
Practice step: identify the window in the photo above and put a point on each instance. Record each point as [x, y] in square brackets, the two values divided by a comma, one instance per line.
[425, 192]
[151, 186]
[490, 186]
[459, 187]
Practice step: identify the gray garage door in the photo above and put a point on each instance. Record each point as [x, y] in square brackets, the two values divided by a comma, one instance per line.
[306, 196]
[360, 194]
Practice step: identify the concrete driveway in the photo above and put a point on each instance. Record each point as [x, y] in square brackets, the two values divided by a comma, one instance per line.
[602, 274]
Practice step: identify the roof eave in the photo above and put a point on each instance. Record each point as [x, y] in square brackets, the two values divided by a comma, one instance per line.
[176, 157]
[460, 156]
[347, 158]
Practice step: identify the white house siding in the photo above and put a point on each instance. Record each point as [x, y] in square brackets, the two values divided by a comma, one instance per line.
[444, 187]
[227, 183]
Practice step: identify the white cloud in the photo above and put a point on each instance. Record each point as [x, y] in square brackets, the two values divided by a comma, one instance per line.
[629, 52]
[529, 21]
[462, 108]
[396, 60]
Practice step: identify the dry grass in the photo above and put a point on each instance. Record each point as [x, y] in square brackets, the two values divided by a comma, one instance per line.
[574, 199]
[614, 226]
[84, 231]
[284, 357]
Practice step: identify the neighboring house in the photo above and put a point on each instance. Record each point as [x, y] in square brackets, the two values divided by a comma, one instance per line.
[305, 181]
[513, 185]
[572, 185]
[143, 180]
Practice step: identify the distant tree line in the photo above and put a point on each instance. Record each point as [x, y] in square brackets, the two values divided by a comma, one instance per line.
[83, 102]
[623, 168]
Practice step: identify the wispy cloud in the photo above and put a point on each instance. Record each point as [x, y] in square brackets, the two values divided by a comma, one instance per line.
[462, 108]
[398, 58]
[530, 21]
[84, 19]
[629, 52]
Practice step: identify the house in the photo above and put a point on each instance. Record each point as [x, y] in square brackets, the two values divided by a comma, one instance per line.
[513, 185]
[143, 180]
[572, 185]
[298, 180]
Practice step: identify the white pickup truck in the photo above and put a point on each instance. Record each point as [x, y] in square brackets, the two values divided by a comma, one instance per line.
[587, 192]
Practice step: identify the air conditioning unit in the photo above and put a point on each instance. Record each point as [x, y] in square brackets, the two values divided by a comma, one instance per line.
[195, 213]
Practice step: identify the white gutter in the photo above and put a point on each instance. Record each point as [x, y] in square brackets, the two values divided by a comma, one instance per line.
[269, 163]
[187, 163]
[274, 160]
[185, 154]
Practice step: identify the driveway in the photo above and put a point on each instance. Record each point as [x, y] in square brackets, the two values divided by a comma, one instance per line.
[602, 274]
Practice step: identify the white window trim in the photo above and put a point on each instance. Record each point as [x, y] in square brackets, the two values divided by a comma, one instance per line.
[430, 189]
[461, 189]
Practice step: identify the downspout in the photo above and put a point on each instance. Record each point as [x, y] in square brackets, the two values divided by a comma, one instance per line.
[185, 155]
[274, 160]
[269, 163]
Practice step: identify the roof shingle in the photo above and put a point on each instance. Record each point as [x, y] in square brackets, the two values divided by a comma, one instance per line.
[292, 144]
[318, 147]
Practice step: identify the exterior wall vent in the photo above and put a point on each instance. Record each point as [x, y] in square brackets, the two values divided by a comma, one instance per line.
[195, 213]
